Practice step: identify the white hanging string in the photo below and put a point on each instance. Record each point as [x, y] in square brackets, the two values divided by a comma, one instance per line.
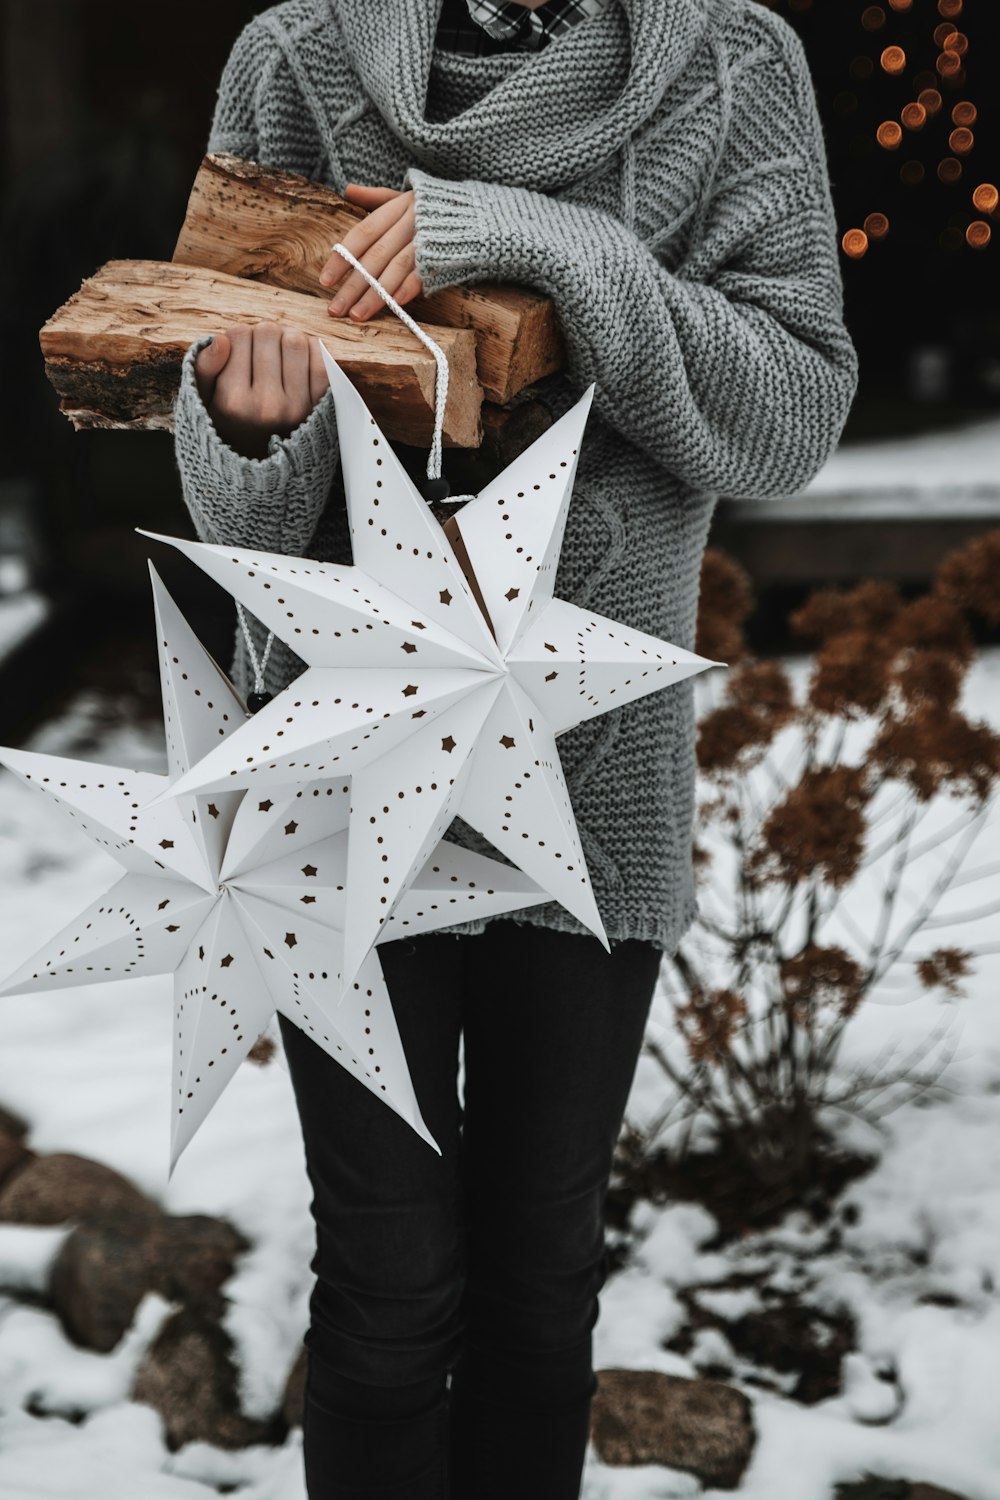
[259, 664]
[441, 374]
[433, 457]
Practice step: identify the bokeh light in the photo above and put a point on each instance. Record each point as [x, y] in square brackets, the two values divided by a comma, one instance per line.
[961, 141]
[931, 100]
[950, 169]
[914, 116]
[957, 42]
[942, 33]
[889, 134]
[950, 8]
[893, 60]
[877, 226]
[948, 64]
[900, 4]
[873, 18]
[964, 113]
[854, 243]
[986, 198]
[912, 173]
[978, 234]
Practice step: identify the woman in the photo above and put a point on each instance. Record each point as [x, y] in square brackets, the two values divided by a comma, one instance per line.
[658, 169]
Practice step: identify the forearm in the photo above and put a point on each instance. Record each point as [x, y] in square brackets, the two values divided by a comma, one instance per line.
[741, 386]
[273, 503]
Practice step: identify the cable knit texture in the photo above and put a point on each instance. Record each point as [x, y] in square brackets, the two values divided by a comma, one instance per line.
[660, 172]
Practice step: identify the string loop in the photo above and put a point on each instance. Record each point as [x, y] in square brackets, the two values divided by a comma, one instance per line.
[433, 458]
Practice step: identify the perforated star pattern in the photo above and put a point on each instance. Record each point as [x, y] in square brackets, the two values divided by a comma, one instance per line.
[241, 897]
[440, 691]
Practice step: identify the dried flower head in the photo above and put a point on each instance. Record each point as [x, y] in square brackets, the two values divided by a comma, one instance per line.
[818, 828]
[933, 623]
[931, 750]
[821, 977]
[851, 675]
[869, 608]
[735, 735]
[709, 1023]
[944, 969]
[970, 577]
[724, 604]
[931, 677]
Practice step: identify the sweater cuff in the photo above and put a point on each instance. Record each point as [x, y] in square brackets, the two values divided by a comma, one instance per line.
[468, 231]
[272, 503]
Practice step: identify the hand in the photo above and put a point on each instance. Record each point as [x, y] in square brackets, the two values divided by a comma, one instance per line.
[384, 244]
[258, 380]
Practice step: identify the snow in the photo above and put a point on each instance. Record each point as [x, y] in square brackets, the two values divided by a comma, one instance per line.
[936, 464]
[915, 1259]
[938, 475]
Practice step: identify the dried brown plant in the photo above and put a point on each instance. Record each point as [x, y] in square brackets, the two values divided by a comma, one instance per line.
[944, 969]
[811, 848]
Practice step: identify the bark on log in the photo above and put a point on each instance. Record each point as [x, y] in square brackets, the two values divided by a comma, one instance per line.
[276, 227]
[114, 350]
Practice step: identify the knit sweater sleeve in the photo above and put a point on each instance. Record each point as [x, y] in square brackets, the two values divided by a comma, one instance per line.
[735, 371]
[275, 502]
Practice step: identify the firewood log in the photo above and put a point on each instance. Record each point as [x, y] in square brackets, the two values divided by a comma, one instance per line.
[276, 227]
[113, 351]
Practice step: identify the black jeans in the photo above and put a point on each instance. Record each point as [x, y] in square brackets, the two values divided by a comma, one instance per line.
[485, 1261]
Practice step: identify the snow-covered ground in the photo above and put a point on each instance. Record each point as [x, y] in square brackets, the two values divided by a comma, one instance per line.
[917, 1262]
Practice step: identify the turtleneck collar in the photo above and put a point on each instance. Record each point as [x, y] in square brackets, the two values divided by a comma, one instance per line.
[546, 121]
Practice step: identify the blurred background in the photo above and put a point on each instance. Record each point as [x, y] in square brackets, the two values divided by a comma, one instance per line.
[106, 110]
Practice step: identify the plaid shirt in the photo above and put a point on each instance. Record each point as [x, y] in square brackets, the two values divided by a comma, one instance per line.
[475, 27]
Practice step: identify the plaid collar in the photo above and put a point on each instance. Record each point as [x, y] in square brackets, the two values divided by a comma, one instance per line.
[474, 27]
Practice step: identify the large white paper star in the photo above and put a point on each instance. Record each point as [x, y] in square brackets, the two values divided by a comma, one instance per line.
[241, 897]
[436, 701]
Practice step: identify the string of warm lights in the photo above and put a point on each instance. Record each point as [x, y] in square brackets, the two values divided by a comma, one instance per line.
[933, 92]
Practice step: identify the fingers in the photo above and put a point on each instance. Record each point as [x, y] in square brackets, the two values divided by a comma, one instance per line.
[319, 380]
[265, 363]
[208, 363]
[368, 197]
[392, 278]
[360, 240]
[295, 371]
[411, 287]
[251, 392]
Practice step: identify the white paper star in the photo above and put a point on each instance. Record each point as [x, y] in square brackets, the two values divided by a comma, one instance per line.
[435, 703]
[241, 897]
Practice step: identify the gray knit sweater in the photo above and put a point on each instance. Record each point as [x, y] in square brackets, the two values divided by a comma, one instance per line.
[660, 172]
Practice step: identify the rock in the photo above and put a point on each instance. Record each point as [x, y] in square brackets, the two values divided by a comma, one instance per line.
[52, 1189]
[14, 1154]
[295, 1390]
[198, 1255]
[702, 1427]
[12, 1123]
[189, 1377]
[107, 1265]
[14, 1150]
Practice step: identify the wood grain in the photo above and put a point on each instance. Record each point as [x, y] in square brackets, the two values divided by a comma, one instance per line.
[278, 228]
[114, 350]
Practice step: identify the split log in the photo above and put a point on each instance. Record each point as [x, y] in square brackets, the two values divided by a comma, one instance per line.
[114, 350]
[276, 227]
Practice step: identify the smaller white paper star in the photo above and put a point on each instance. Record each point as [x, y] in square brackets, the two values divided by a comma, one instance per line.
[242, 898]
